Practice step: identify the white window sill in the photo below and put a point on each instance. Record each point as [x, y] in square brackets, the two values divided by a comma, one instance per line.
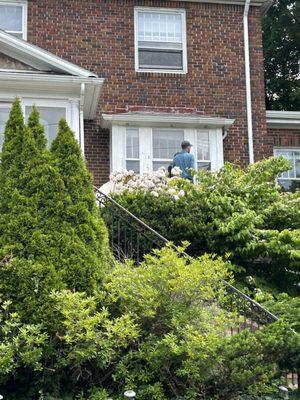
[161, 71]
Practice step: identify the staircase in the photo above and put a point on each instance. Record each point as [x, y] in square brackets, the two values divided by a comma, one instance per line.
[131, 238]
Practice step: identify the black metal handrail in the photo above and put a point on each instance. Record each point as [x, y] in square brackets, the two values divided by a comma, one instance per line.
[132, 238]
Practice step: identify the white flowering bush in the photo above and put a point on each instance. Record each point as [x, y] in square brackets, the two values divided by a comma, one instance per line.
[153, 182]
[240, 214]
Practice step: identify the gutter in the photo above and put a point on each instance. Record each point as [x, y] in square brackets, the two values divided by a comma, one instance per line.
[248, 82]
[81, 116]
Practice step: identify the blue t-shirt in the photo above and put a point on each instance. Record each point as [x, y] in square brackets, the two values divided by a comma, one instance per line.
[184, 161]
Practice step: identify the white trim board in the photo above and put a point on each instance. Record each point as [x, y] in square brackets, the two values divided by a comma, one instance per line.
[53, 86]
[257, 3]
[165, 120]
[283, 119]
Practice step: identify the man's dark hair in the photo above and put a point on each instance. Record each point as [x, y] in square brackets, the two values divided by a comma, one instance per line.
[185, 144]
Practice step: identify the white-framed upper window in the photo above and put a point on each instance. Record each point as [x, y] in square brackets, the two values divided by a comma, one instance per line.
[289, 180]
[13, 17]
[144, 149]
[160, 40]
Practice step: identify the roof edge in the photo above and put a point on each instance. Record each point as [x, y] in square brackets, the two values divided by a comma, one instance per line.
[165, 119]
[27, 51]
[283, 119]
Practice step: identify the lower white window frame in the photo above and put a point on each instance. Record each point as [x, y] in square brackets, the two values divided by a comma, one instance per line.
[118, 147]
[71, 105]
[276, 149]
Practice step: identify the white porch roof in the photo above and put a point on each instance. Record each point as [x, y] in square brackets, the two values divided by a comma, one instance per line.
[283, 119]
[47, 75]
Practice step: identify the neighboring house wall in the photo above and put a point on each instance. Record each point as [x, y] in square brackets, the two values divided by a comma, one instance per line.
[283, 138]
[99, 36]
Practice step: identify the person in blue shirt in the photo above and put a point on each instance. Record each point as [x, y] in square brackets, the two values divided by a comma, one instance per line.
[185, 160]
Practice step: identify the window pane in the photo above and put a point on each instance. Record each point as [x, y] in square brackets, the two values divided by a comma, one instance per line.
[132, 143]
[293, 156]
[203, 152]
[159, 164]
[160, 27]
[166, 142]
[11, 17]
[49, 118]
[4, 114]
[290, 185]
[133, 166]
[204, 165]
[171, 59]
[297, 166]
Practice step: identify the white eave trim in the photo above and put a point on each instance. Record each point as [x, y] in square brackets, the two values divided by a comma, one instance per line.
[165, 120]
[283, 119]
[263, 4]
[258, 3]
[24, 84]
[38, 58]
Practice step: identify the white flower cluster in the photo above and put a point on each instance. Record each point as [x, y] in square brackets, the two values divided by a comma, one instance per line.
[176, 171]
[153, 182]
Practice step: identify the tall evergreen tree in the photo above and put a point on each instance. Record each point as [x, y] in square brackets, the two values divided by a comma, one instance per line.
[13, 143]
[83, 213]
[49, 246]
[25, 237]
[37, 129]
[281, 40]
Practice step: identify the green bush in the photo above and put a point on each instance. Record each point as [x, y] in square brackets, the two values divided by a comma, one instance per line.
[156, 328]
[240, 215]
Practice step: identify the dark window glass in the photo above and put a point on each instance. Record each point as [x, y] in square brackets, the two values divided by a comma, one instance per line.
[164, 59]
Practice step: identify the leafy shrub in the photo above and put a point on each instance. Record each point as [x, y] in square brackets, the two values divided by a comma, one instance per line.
[240, 215]
[156, 328]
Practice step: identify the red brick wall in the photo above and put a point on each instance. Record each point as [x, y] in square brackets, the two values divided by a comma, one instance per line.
[99, 35]
[282, 138]
[97, 151]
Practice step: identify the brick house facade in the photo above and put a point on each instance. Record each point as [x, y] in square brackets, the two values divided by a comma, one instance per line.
[210, 95]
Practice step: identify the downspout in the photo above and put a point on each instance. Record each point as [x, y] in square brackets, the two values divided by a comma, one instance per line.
[81, 117]
[248, 82]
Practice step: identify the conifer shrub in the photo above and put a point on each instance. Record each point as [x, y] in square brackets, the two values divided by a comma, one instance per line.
[54, 240]
[82, 213]
[37, 129]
